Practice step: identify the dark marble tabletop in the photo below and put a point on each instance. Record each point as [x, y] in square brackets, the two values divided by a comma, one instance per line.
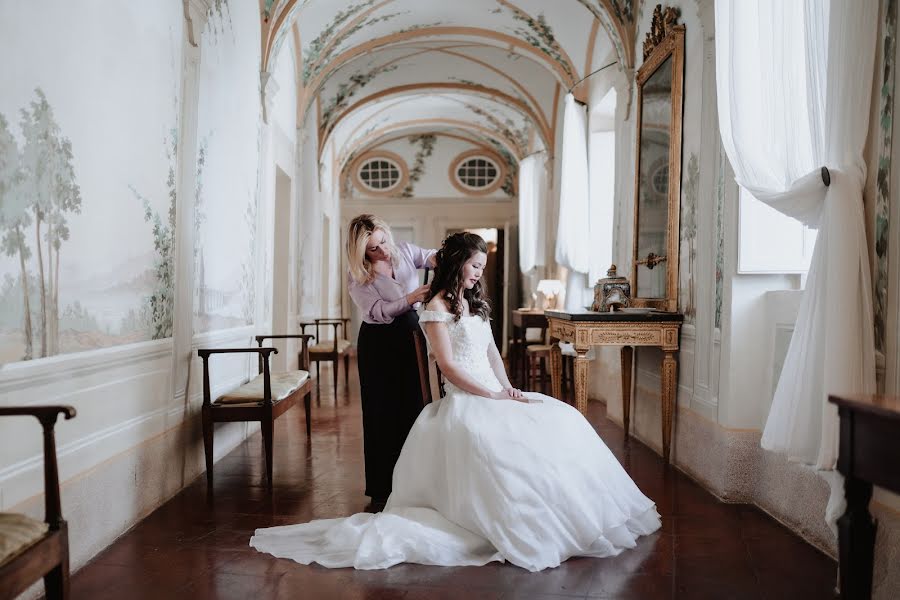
[653, 316]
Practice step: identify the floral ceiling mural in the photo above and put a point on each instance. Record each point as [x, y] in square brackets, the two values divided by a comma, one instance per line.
[509, 62]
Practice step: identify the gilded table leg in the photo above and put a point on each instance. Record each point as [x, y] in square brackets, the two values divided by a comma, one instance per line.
[627, 355]
[669, 381]
[581, 380]
[555, 369]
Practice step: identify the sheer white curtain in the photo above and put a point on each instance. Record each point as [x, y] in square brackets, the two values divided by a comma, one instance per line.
[532, 195]
[793, 83]
[602, 180]
[573, 231]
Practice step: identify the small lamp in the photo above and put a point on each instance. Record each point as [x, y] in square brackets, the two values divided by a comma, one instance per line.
[551, 289]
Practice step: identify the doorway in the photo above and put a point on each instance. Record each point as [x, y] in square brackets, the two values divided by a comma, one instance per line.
[280, 266]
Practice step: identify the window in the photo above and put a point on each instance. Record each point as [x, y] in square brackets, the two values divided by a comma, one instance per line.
[660, 179]
[601, 190]
[379, 174]
[770, 242]
[476, 173]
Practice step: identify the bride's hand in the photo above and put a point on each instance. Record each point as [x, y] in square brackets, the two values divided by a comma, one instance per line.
[509, 393]
[514, 393]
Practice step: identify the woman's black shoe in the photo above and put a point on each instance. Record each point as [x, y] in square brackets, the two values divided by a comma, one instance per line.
[376, 505]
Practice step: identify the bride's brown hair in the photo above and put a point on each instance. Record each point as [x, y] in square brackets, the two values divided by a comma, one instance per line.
[456, 250]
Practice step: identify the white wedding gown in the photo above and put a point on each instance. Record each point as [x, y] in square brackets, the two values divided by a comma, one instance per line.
[481, 480]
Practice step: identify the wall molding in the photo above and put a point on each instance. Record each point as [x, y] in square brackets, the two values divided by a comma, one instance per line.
[15, 377]
[219, 336]
[90, 450]
[143, 366]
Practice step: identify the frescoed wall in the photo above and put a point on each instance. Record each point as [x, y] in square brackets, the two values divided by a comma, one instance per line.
[225, 212]
[87, 206]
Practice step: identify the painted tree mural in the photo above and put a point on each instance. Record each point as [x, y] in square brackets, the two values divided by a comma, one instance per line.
[14, 221]
[689, 236]
[38, 190]
[160, 304]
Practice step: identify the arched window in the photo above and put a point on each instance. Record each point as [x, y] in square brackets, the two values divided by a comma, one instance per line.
[379, 174]
[476, 172]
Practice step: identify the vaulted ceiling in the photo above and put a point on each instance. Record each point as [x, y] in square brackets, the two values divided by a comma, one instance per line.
[491, 71]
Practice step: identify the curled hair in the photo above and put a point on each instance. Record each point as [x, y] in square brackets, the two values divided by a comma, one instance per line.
[456, 250]
[358, 233]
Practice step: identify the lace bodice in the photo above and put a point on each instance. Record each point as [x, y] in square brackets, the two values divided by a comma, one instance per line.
[469, 341]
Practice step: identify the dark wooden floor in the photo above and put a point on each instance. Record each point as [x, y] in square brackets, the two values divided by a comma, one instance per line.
[196, 547]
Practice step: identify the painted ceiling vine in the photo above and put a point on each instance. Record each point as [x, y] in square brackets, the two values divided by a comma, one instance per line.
[426, 148]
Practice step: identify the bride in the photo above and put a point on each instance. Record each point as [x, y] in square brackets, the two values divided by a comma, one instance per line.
[488, 472]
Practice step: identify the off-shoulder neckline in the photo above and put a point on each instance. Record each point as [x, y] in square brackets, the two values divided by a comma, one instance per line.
[446, 314]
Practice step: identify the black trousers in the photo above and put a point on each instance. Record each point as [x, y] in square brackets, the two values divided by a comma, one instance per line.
[391, 396]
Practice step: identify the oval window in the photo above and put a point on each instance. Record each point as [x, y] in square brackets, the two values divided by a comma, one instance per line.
[477, 173]
[379, 174]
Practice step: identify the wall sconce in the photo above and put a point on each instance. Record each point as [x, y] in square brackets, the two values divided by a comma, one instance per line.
[550, 288]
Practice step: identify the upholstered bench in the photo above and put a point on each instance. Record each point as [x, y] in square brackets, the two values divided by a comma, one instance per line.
[32, 549]
[263, 398]
[17, 533]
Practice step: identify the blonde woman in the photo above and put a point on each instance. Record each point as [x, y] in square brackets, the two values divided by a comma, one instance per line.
[383, 283]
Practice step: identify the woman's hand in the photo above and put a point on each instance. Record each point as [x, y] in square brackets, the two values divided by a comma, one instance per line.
[509, 394]
[514, 393]
[417, 295]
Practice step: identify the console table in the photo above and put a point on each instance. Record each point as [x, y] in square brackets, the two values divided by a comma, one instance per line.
[869, 455]
[586, 329]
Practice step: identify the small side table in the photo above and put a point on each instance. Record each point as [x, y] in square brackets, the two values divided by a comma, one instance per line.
[869, 455]
[586, 329]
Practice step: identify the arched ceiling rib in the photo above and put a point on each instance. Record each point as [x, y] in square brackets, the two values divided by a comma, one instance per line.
[492, 68]
[491, 121]
[471, 95]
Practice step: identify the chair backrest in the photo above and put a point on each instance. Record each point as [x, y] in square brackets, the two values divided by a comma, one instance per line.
[302, 356]
[425, 368]
[338, 324]
[544, 333]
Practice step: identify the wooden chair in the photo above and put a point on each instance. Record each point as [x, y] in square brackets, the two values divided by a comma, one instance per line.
[338, 348]
[424, 367]
[523, 322]
[30, 549]
[264, 398]
[568, 378]
[538, 359]
[538, 371]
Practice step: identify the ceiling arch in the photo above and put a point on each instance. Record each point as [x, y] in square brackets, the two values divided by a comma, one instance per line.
[399, 129]
[415, 141]
[467, 89]
[489, 117]
[498, 66]
[277, 16]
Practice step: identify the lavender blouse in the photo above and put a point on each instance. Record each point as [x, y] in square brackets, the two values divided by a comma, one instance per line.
[384, 298]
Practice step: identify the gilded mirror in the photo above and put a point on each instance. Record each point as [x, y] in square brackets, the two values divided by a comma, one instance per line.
[657, 202]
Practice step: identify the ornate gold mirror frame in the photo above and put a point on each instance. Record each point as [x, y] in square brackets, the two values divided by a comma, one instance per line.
[657, 182]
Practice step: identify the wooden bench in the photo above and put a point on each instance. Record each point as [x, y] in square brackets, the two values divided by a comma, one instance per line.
[264, 398]
[31, 549]
[330, 351]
